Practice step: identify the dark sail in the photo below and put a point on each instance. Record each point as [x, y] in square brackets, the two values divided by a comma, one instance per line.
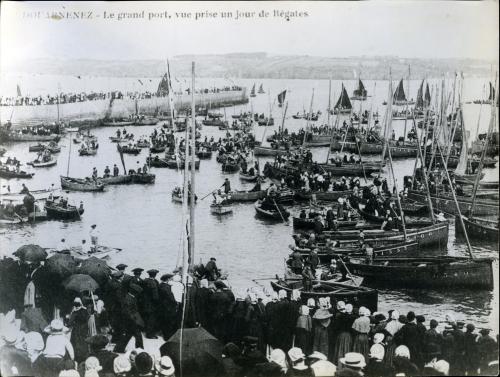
[420, 97]
[492, 93]
[163, 87]
[281, 98]
[261, 89]
[252, 92]
[343, 102]
[361, 91]
[399, 94]
[427, 98]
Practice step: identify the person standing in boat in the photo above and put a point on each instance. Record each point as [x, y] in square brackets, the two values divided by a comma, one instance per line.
[115, 170]
[211, 270]
[227, 186]
[106, 172]
[94, 238]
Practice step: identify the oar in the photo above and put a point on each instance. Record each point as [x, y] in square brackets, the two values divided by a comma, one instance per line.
[348, 272]
[282, 218]
[211, 192]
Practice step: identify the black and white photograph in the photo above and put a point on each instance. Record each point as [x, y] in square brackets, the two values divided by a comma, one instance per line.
[249, 188]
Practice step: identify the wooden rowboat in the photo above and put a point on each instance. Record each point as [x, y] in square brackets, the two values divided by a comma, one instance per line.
[116, 180]
[230, 167]
[270, 214]
[8, 174]
[245, 196]
[56, 211]
[42, 164]
[269, 151]
[337, 291]
[220, 209]
[478, 229]
[77, 184]
[308, 223]
[248, 177]
[426, 272]
[328, 196]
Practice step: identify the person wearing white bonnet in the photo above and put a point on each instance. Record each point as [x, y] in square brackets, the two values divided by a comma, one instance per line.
[376, 366]
[278, 357]
[402, 362]
[57, 344]
[297, 358]
[361, 328]
[341, 306]
[34, 344]
[311, 303]
[295, 295]
[393, 326]
[121, 365]
[165, 366]
[402, 351]
[378, 338]
[274, 296]
[13, 359]
[303, 329]
[320, 366]
[437, 368]
[282, 294]
[348, 308]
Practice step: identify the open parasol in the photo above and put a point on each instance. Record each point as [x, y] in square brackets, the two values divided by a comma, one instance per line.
[80, 283]
[62, 265]
[31, 253]
[96, 268]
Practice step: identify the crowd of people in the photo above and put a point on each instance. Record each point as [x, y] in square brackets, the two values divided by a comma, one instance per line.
[63, 98]
[280, 335]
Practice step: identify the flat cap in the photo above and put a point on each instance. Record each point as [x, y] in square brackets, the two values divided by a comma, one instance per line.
[152, 271]
[137, 270]
[121, 266]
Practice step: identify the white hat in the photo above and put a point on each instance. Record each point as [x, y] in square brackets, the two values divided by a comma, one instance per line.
[317, 355]
[402, 351]
[323, 368]
[164, 366]
[295, 354]
[377, 351]
[92, 363]
[440, 366]
[34, 341]
[282, 294]
[395, 315]
[348, 308]
[304, 310]
[341, 306]
[311, 303]
[353, 359]
[56, 326]
[121, 364]
[378, 338]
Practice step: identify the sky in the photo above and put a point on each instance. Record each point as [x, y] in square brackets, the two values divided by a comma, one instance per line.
[421, 29]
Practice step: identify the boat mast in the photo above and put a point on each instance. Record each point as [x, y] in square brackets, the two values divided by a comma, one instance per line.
[491, 127]
[407, 103]
[308, 117]
[58, 98]
[389, 127]
[193, 170]
[329, 101]
[69, 156]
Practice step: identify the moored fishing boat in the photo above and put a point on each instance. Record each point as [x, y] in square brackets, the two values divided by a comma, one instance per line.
[271, 214]
[270, 151]
[58, 211]
[87, 151]
[116, 180]
[128, 149]
[248, 177]
[42, 164]
[7, 173]
[478, 228]
[446, 203]
[336, 291]
[78, 184]
[426, 272]
[245, 196]
[396, 150]
[352, 169]
[328, 196]
[308, 223]
[230, 166]
[143, 178]
[204, 154]
[51, 147]
[117, 122]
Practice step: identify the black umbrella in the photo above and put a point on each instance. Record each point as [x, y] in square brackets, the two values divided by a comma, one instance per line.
[62, 265]
[201, 352]
[80, 283]
[96, 268]
[31, 253]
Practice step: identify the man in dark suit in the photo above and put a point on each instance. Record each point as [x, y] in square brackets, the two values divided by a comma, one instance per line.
[97, 345]
[150, 300]
[114, 294]
[132, 322]
[167, 308]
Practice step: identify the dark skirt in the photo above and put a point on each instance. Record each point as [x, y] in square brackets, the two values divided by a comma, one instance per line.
[303, 340]
[361, 345]
[342, 346]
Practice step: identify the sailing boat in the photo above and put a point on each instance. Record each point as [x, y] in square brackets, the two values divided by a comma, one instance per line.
[399, 98]
[343, 105]
[252, 92]
[479, 228]
[361, 93]
[261, 89]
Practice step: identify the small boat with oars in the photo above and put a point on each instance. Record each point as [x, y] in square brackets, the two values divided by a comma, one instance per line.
[7, 173]
[271, 211]
[86, 150]
[78, 184]
[245, 196]
[52, 147]
[248, 177]
[143, 143]
[61, 210]
[128, 149]
[43, 162]
[116, 180]
[426, 272]
[337, 291]
[220, 209]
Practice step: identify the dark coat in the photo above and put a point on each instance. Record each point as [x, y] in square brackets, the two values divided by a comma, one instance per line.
[409, 336]
[202, 308]
[150, 295]
[78, 321]
[167, 303]
[377, 369]
[105, 358]
[130, 312]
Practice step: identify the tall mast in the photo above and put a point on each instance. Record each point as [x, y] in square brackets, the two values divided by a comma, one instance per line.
[329, 101]
[193, 170]
[308, 117]
[406, 107]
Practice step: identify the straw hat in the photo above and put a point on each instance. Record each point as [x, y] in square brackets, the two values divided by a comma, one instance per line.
[56, 327]
[353, 360]
[121, 364]
[165, 366]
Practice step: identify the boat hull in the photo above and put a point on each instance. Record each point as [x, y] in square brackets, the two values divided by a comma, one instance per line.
[268, 151]
[270, 215]
[476, 230]
[73, 184]
[246, 196]
[327, 196]
[427, 273]
[220, 209]
[57, 213]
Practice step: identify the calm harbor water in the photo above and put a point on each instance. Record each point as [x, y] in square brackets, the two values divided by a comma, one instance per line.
[145, 223]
